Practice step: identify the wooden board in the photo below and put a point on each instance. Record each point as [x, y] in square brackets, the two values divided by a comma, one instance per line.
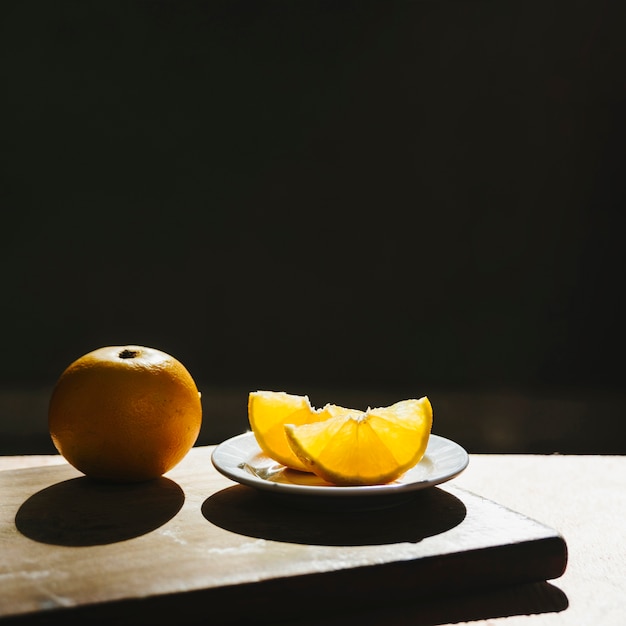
[194, 544]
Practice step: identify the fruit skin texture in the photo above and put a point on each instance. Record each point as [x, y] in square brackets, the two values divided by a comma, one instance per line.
[125, 413]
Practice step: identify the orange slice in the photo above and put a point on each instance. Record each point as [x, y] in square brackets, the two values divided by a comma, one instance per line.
[268, 412]
[368, 447]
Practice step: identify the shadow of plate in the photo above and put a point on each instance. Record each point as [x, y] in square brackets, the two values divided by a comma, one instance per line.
[249, 512]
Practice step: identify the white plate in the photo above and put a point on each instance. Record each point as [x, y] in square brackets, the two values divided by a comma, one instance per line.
[241, 460]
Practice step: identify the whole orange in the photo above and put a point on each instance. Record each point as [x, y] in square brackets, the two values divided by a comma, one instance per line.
[125, 413]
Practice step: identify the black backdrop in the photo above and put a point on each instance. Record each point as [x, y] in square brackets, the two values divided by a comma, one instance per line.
[293, 193]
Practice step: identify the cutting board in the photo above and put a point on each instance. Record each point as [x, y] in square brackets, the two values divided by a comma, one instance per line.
[194, 546]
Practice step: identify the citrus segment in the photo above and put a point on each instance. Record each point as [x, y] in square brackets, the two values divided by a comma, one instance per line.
[268, 412]
[364, 447]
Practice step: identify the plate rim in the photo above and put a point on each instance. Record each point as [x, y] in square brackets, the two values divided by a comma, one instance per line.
[245, 478]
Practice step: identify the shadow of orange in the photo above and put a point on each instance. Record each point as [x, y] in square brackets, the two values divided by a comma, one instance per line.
[84, 512]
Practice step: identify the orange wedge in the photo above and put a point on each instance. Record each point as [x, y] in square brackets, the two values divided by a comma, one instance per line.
[368, 447]
[268, 412]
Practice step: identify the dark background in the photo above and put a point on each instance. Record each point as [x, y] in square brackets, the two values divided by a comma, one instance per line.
[358, 200]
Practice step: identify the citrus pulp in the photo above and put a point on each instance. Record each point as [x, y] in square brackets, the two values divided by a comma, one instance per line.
[370, 447]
